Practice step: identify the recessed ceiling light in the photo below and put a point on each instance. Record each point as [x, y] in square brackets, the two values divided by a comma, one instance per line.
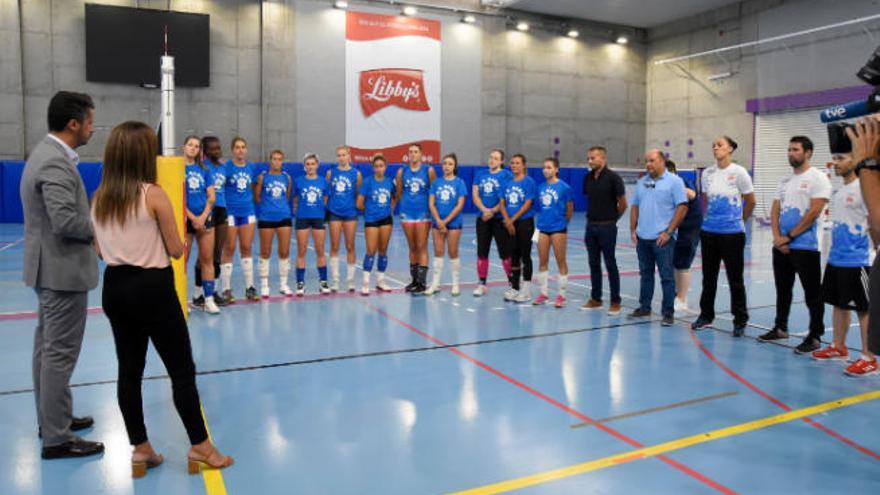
[622, 40]
[522, 26]
[410, 10]
[340, 4]
[469, 19]
[573, 33]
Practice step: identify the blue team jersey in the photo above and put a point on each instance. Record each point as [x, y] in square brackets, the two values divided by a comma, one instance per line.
[414, 202]
[724, 189]
[377, 198]
[197, 181]
[218, 177]
[274, 203]
[516, 193]
[552, 206]
[446, 194]
[311, 194]
[795, 194]
[239, 188]
[343, 192]
[850, 246]
[490, 186]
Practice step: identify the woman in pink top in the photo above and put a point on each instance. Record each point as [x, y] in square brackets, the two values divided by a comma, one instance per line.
[135, 233]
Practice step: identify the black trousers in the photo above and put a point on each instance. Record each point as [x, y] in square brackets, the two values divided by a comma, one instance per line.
[142, 306]
[521, 247]
[874, 308]
[807, 265]
[493, 229]
[730, 249]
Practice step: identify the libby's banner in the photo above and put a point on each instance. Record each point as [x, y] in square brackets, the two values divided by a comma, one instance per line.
[392, 86]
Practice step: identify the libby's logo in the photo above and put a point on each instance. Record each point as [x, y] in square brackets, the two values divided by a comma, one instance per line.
[382, 88]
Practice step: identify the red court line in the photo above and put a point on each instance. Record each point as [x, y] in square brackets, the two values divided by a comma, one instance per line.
[583, 417]
[785, 407]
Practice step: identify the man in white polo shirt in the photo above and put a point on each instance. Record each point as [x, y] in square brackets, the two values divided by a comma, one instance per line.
[799, 202]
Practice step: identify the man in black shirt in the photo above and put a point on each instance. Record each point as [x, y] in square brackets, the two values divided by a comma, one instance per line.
[606, 203]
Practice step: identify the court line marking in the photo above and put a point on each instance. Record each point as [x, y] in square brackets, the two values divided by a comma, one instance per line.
[627, 323]
[8, 245]
[678, 444]
[559, 405]
[650, 410]
[213, 478]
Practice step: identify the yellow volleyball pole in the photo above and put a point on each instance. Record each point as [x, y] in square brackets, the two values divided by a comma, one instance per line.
[170, 175]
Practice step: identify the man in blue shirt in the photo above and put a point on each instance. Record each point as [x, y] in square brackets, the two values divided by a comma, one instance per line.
[659, 205]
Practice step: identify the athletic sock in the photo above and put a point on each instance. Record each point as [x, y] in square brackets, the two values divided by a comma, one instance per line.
[300, 274]
[438, 270]
[349, 271]
[334, 267]
[247, 266]
[226, 276]
[322, 273]
[422, 274]
[263, 268]
[563, 283]
[414, 271]
[455, 268]
[283, 270]
[543, 281]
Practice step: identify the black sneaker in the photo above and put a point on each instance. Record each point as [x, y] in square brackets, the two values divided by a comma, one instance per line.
[640, 313]
[668, 321]
[739, 329]
[807, 346]
[701, 323]
[411, 287]
[418, 290]
[199, 302]
[775, 334]
[227, 295]
[251, 294]
[219, 300]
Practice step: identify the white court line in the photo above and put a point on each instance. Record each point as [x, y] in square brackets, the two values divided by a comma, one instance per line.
[14, 243]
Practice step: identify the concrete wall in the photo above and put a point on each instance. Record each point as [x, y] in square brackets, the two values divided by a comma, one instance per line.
[276, 78]
[540, 86]
[683, 105]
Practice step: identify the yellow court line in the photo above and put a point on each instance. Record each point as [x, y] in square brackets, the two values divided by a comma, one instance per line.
[646, 452]
[213, 478]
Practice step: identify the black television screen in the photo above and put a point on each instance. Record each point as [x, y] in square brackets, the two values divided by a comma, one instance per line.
[123, 45]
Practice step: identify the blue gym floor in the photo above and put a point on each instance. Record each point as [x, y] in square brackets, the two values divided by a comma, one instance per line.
[397, 394]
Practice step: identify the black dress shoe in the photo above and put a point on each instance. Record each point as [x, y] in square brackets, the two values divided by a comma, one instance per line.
[74, 448]
[76, 424]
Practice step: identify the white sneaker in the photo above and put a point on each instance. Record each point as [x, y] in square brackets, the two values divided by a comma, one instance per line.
[351, 287]
[264, 289]
[334, 285]
[524, 295]
[456, 290]
[681, 305]
[382, 286]
[365, 290]
[433, 289]
[510, 294]
[285, 290]
[481, 290]
[210, 306]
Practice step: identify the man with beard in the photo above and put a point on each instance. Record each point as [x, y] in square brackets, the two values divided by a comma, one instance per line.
[799, 201]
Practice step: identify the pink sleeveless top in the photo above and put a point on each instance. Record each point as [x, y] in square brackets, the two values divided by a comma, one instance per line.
[138, 243]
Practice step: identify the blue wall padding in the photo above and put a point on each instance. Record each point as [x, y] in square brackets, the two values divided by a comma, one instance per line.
[11, 171]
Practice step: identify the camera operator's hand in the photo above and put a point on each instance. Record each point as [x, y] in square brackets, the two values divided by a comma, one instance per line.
[865, 138]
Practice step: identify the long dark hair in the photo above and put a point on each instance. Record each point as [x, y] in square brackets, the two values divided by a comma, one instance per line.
[198, 158]
[454, 159]
[129, 162]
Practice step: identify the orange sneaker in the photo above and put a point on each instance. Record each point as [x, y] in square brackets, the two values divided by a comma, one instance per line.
[862, 367]
[592, 304]
[831, 353]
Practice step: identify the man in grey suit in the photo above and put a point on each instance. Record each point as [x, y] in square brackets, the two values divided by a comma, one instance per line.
[61, 265]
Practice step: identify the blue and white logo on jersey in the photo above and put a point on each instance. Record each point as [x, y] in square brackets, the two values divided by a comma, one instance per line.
[311, 194]
[241, 181]
[381, 196]
[195, 181]
[276, 189]
[446, 193]
[548, 197]
[489, 185]
[341, 184]
[415, 184]
[515, 195]
[219, 179]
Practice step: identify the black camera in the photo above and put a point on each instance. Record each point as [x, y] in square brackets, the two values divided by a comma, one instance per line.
[837, 137]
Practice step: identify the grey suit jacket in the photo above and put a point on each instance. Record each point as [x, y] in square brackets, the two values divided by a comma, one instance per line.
[58, 251]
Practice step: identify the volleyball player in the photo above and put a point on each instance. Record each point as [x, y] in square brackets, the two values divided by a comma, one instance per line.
[240, 175]
[310, 202]
[555, 208]
[199, 223]
[446, 202]
[519, 220]
[377, 200]
[487, 189]
[272, 193]
[213, 151]
[413, 183]
[345, 182]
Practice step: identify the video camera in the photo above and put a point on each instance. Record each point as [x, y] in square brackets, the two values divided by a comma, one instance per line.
[837, 137]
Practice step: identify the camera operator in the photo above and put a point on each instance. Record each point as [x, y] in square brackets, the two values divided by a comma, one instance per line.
[865, 138]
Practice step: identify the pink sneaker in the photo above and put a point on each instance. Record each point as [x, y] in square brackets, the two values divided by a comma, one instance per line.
[560, 301]
[862, 367]
[541, 299]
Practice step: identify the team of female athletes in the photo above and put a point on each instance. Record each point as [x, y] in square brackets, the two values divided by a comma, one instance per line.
[226, 201]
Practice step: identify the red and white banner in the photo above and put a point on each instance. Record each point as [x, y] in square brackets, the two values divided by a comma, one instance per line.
[392, 86]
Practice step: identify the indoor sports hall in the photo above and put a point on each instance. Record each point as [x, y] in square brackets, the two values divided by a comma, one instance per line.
[449, 386]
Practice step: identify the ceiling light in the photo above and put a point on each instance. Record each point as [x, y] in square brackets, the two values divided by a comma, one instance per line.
[622, 40]
[410, 10]
[340, 4]
[469, 19]
[573, 33]
[522, 26]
